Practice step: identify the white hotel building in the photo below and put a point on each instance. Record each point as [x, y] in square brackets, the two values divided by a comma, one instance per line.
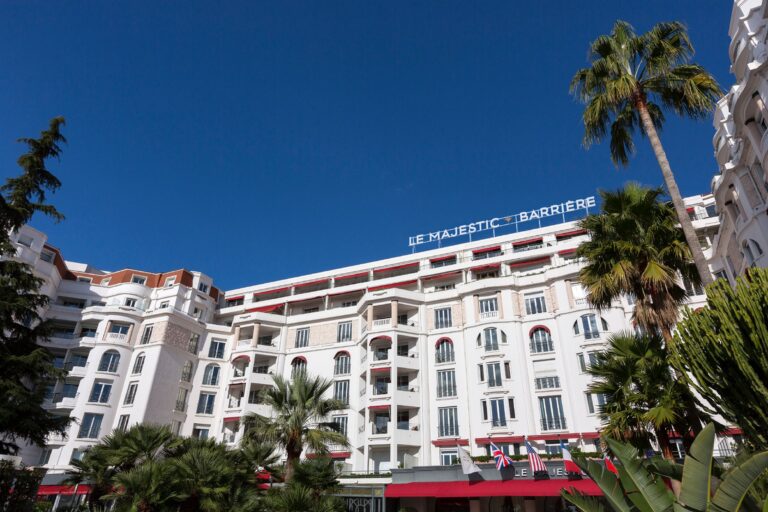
[458, 345]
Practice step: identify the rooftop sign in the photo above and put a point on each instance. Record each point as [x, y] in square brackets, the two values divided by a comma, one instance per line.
[499, 222]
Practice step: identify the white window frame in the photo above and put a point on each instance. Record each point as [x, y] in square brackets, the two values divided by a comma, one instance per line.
[443, 318]
[344, 331]
[302, 337]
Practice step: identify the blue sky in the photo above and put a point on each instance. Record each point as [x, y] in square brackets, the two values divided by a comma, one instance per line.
[261, 140]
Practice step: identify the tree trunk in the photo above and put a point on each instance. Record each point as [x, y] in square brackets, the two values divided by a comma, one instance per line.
[292, 458]
[690, 407]
[674, 193]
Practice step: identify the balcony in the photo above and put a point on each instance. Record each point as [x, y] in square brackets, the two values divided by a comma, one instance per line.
[488, 315]
[553, 424]
[59, 401]
[408, 434]
[382, 323]
[380, 433]
[263, 378]
[116, 337]
[411, 361]
[181, 406]
[408, 398]
[75, 371]
[234, 402]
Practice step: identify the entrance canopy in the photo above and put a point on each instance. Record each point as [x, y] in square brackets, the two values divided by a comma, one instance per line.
[465, 489]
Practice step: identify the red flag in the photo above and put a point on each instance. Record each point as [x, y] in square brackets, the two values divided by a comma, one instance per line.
[570, 466]
[610, 466]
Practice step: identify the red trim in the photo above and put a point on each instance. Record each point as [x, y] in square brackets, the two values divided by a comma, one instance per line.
[484, 488]
[298, 358]
[350, 276]
[567, 234]
[381, 338]
[487, 249]
[500, 439]
[566, 251]
[451, 442]
[527, 242]
[590, 435]
[48, 490]
[530, 333]
[341, 455]
[340, 352]
[231, 418]
[304, 300]
[362, 290]
[377, 407]
[265, 292]
[393, 285]
[442, 258]
[242, 356]
[690, 209]
[440, 340]
[310, 283]
[733, 431]
[485, 267]
[533, 261]
[236, 297]
[553, 437]
[441, 276]
[381, 369]
[396, 267]
[264, 309]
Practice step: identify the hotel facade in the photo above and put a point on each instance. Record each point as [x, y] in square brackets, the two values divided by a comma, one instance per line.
[483, 341]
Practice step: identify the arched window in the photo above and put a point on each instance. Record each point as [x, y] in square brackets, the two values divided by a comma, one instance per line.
[186, 371]
[444, 351]
[342, 364]
[211, 375]
[490, 338]
[109, 361]
[752, 251]
[587, 325]
[298, 365]
[138, 364]
[541, 340]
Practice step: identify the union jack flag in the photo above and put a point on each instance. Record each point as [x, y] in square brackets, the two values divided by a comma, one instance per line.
[537, 465]
[502, 460]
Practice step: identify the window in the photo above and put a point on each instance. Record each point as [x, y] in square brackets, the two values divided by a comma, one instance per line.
[81, 279]
[589, 326]
[489, 308]
[446, 383]
[595, 402]
[119, 328]
[486, 274]
[254, 395]
[45, 456]
[498, 416]
[47, 256]
[507, 448]
[138, 364]
[491, 252]
[122, 422]
[235, 301]
[678, 450]
[265, 340]
[443, 287]
[176, 427]
[100, 392]
[341, 423]
[216, 350]
[130, 302]
[169, 281]
[205, 403]
[402, 350]
[449, 456]
[582, 363]
[553, 447]
[181, 400]
[494, 375]
[491, 337]
[186, 371]
[202, 287]
[535, 303]
[511, 403]
[692, 289]
[109, 361]
[403, 383]
[444, 351]
[77, 454]
[90, 426]
[448, 422]
[146, 335]
[481, 372]
[752, 251]
[443, 318]
[552, 382]
[193, 343]
[341, 364]
[344, 332]
[507, 370]
[164, 304]
[200, 432]
[130, 394]
[541, 341]
[139, 280]
[299, 364]
[552, 417]
[311, 310]
[26, 240]
[341, 391]
[443, 262]
[211, 375]
[349, 303]
[302, 337]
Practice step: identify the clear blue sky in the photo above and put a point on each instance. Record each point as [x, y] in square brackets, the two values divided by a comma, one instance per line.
[260, 140]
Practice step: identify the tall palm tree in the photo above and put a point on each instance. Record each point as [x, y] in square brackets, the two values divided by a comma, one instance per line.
[637, 249]
[96, 470]
[144, 488]
[202, 477]
[140, 443]
[299, 418]
[630, 81]
[643, 399]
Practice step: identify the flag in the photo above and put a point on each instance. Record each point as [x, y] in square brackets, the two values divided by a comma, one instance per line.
[468, 466]
[571, 469]
[502, 460]
[537, 466]
[610, 466]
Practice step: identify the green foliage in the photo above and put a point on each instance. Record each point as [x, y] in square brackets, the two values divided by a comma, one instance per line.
[26, 368]
[18, 486]
[639, 488]
[318, 474]
[297, 498]
[723, 350]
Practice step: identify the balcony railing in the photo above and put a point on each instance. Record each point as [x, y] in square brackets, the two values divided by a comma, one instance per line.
[542, 347]
[234, 403]
[553, 424]
[181, 405]
[499, 423]
[382, 322]
[381, 428]
[117, 336]
[380, 389]
[488, 314]
[381, 355]
[451, 431]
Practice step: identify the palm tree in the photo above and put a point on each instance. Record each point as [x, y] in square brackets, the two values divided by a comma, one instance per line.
[643, 399]
[202, 476]
[144, 488]
[630, 80]
[139, 444]
[299, 418]
[96, 470]
[636, 249]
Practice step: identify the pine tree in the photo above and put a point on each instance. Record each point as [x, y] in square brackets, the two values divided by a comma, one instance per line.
[723, 348]
[26, 368]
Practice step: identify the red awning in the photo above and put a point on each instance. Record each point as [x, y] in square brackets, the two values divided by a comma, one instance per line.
[733, 431]
[305, 299]
[474, 489]
[381, 369]
[450, 442]
[393, 285]
[532, 261]
[276, 290]
[310, 283]
[690, 209]
[566, 251]
[537, 327]
[442, 258]
[397, 267]
[242, 356]
[351, 276]
[362, 290]
[553, 437]
[485, 267]
[264, 309]
[231, 418]
[486, 249]
[590, 435]
[378, 407]
[500, 439]
[340, 455]
[573, 232]
[440, 340]
[442, 276]
[527, 242]
[47, 490]
[237, 297]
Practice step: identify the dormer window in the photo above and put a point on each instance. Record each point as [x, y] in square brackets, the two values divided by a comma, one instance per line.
[139, 280]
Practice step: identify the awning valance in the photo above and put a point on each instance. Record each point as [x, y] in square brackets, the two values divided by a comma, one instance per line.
[264, 309]
[528, 241]
[396, 267]
[486, 249]
[482, 488]
[393, 285]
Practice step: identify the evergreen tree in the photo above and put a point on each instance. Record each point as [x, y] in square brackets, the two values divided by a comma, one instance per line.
[25, 367]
